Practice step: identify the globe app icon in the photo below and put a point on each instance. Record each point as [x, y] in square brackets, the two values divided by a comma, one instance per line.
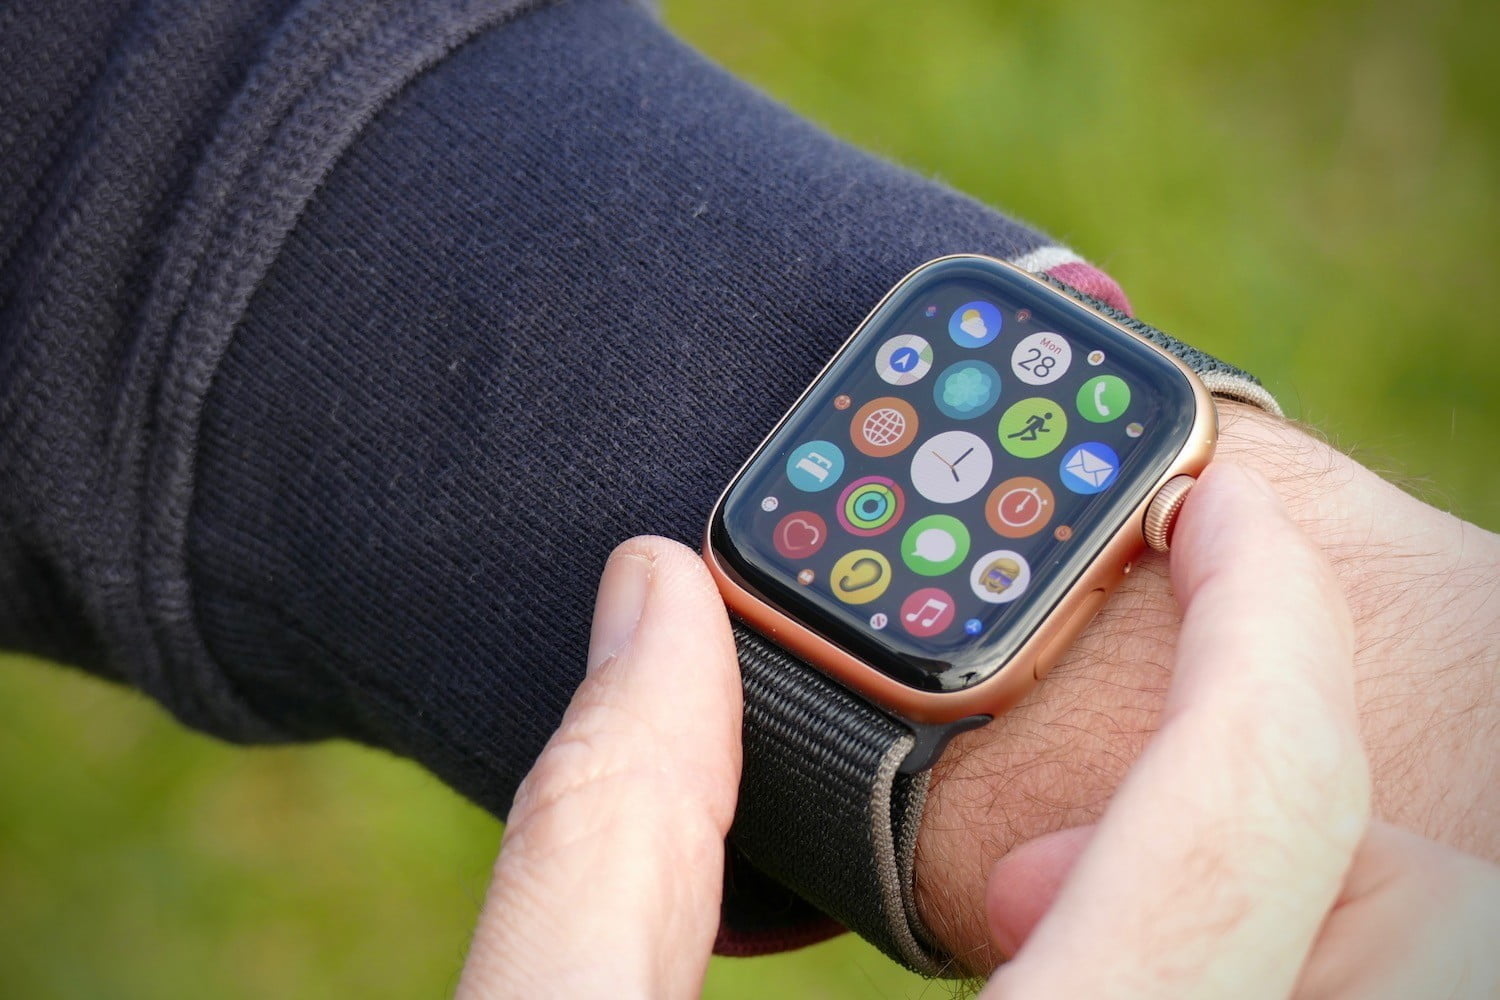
[883, 426]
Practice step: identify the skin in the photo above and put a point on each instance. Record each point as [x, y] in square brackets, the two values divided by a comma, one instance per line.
[1241, 835]
[1422, 590]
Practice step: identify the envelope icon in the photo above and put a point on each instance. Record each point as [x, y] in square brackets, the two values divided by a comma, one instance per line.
[1091, 468]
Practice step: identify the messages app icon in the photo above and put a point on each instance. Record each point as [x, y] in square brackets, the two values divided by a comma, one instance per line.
[935, 545]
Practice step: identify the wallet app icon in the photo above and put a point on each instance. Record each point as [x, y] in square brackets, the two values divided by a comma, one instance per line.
[1090, 468]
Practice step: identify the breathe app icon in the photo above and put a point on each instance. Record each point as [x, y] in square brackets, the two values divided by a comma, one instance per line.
[967, 390]
[935, 544]
[974, 324]
[1103, 398]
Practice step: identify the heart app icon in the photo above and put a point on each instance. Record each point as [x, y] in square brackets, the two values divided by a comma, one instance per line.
[800, 534]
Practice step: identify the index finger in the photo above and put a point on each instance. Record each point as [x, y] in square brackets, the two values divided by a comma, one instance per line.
[1225, 847]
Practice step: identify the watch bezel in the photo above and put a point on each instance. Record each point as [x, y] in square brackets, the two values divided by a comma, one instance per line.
[1015, 677]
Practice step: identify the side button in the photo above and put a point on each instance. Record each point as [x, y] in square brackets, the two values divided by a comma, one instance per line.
[1049, 655]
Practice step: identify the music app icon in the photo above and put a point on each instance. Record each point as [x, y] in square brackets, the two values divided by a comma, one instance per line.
[927, 612]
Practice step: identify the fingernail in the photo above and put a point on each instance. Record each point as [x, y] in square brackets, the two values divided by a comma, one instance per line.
[617, 609]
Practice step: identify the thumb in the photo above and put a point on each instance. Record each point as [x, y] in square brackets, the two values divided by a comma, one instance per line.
[610, 876]
[1023, 884]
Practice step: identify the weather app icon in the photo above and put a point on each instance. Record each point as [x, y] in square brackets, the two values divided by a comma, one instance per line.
[974, 324]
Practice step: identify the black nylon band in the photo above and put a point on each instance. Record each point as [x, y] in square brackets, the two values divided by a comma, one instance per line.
[823, 808]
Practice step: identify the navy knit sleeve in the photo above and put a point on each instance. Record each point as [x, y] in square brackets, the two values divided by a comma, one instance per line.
[340, 342]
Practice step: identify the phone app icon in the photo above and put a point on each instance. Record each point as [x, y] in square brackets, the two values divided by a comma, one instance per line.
[1041, 358]
[927, 612]
[815, 466]
[1019, 507]
[951, 466]
[903, 359]
[935, 544]
[883, 427]
[799, 534]
[871, 506]
[974, 324]
[1033, 427]
[1090, 468]
[1103, 398]
[967, 390]
[860, 577]
[1000, 577]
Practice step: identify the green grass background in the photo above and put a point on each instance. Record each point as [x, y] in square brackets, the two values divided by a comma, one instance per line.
[1309, 190]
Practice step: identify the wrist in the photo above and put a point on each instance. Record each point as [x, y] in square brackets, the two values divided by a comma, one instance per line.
[1417, 580]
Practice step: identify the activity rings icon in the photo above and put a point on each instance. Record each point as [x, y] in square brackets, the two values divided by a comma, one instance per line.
[870, 506]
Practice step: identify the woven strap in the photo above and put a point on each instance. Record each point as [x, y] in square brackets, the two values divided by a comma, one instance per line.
[825, 808]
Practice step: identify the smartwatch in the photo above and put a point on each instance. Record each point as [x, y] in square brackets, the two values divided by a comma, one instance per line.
[920, 538]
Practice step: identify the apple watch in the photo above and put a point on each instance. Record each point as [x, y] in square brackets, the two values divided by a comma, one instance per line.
[919, 539]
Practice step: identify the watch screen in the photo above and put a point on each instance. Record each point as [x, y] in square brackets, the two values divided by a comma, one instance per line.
[957, 466]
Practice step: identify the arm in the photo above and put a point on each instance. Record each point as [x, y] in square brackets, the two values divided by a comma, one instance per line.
[502, 334]
[1422, 589]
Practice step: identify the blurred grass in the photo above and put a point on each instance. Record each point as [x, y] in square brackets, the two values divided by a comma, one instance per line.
[1308, 190]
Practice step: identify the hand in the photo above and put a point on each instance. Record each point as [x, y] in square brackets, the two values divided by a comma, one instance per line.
[610, 879]
[1422, 589]
[1236, 858]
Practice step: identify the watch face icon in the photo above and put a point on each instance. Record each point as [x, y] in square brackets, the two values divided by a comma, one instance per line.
[1019, 507]
[815, 466]
[1000, 577]
[951, 466]
[799, 534]
[903, 359]
[860, 577]
[871, 506]
[974, 324]
[883, 427]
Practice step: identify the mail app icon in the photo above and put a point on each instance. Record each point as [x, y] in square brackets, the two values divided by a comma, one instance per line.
[1090, 467]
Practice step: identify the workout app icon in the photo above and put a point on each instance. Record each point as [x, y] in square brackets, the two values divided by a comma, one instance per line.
[903, 359]
[967, 390]
[1019, 507]
[1033, 427]
[927, 612]
[935, 544]
[815, 466]
[860, 577]
[1090, 468]
[883, 427]
[871, 506]
[1103, 398]
[974, 324]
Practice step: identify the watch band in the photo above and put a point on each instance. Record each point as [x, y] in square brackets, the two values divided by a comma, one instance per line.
[826, 807]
